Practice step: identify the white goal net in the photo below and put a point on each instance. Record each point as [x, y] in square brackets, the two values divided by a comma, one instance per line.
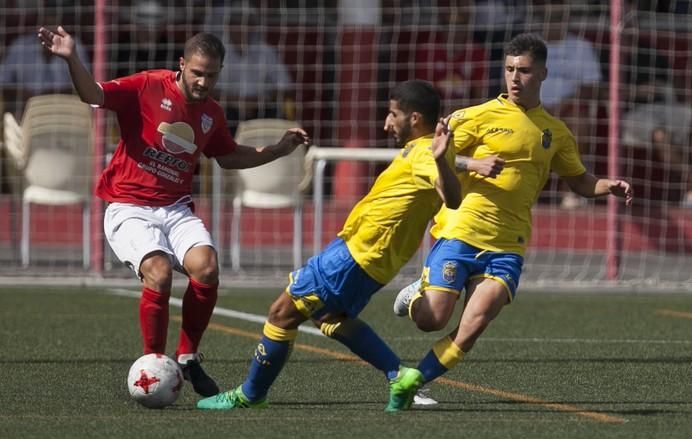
[328, 66]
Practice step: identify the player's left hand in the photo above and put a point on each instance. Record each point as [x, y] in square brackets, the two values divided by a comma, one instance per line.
[622, 189]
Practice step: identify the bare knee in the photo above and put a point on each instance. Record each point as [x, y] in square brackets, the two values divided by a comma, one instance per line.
[284, 314]
[202, 265]
[209, 274]
[157, 272]
[430, 323]
[433, 311]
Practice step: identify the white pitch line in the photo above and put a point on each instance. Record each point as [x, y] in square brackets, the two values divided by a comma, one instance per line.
[418, 399]
[256, 318]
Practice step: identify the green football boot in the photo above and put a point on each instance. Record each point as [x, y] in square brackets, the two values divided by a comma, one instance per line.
[403, 388]
[231, 400]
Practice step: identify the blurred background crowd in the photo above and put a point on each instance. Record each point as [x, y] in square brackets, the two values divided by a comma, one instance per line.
[329, 64]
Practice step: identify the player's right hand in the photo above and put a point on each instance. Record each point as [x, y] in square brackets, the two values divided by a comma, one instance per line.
[442, 139]
[489, 166]
[58, 42]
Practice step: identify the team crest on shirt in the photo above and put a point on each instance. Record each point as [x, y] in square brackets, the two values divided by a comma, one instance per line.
[449, 271]
[458, 115]
[407, 149]
[207, 122]
[547, 138]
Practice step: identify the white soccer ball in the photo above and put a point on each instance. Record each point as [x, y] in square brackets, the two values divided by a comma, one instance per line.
[155, 381]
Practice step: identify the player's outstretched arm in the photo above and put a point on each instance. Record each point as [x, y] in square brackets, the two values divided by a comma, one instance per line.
[588, 185]
[61, 44]
[248, 156]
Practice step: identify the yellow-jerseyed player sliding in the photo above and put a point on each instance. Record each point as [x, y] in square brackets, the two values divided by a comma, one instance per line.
[380, 235]
[480, 246]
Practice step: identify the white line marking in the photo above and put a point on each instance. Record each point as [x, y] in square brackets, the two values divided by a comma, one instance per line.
[256, 318]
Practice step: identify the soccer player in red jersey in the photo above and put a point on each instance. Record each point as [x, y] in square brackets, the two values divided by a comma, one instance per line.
[167, 120]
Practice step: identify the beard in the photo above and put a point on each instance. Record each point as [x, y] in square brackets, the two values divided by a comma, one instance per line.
[189, 92]
[403, 136]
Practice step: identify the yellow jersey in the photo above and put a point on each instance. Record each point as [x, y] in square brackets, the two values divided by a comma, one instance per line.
[386, 227]
[495, 213]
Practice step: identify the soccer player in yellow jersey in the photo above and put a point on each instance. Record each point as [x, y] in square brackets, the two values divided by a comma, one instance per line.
[480, 245]
[380, 235]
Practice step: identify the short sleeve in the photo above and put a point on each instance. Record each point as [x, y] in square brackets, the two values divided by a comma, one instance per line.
[567, 162]
[465, 129]
[122, 93]
[221, 142]
[424, 168]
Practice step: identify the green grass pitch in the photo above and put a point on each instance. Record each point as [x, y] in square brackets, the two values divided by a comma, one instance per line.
[551, 366]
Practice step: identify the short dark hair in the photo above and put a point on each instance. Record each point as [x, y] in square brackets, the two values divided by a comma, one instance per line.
[528, 43]
[205, 44]
[420, 96]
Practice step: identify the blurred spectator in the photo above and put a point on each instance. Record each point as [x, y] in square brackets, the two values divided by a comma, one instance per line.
[664, 128]
[214, 16]
[28, 70]
[190, 14]
[669, 6]
[655, 120]
[642, 63]
[574, 70]
[254, 82]
[145, 44]
[570, 92]
[402, 13]
[499, 13]
[494, 22]
[453, 62]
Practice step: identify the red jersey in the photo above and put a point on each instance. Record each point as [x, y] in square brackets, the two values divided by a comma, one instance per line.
[161, 139]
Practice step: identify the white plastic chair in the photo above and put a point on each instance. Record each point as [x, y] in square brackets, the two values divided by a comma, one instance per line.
[52, 146]
[275, 185]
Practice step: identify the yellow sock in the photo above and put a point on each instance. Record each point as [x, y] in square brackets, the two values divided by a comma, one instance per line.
[447, 352]
[279, 334]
